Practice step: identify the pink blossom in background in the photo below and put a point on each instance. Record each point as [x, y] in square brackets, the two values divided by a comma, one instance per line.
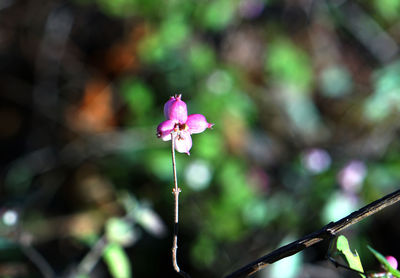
[352, 176]
[316, 160]
[180, 125]
[251, 8]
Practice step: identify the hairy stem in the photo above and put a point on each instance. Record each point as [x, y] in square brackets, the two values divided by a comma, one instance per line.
[176, 190]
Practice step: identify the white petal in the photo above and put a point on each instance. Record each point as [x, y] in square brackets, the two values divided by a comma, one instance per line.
[183, 142]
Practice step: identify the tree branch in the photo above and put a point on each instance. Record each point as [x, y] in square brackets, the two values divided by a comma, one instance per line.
[327, 232]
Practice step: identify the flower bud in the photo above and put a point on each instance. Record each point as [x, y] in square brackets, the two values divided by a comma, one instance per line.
[164, 130]
[175, 109]
[197, 123]
[392, 261]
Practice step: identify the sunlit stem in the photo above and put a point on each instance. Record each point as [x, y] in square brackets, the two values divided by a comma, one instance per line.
[176, 190]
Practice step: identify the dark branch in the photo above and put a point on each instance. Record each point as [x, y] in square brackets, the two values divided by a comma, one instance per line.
[327, 232]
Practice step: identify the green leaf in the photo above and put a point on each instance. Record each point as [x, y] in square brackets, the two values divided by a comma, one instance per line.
[384, 262]
[289, 64]
[202, 58]
[218, 14]
[204, 251]
[386, 97]
[117, 261]
[388, 9]
[342, 246]
[138, 96]
[5, 243]
[120, 231]
[174, 30]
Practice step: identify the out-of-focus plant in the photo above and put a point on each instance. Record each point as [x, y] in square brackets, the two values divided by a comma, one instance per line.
[299, 92]
[340, 246]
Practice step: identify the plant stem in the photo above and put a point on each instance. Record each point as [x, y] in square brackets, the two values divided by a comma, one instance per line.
[91, 259]
[176, 190]
[37, 259]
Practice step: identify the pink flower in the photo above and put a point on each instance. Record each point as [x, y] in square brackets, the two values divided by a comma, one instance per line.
[392, 261]
[180, 125]
[352, 176]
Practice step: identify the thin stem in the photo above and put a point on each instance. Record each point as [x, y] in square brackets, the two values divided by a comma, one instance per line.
[176, 190]
[326, 233]
[37, 259]
[91, 259]
[337, 264]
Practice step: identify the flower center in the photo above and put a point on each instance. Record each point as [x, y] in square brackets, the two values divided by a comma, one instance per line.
[181, 127]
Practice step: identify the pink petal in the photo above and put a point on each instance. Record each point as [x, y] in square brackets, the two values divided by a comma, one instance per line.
[167, 107]
[183, 142]
[175, 109]
[197, 123]
[392, 261]
[164, 130]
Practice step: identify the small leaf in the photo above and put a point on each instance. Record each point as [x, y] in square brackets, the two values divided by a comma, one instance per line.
[384, 262]
[117, 261]
[342, 245]
[120, 231]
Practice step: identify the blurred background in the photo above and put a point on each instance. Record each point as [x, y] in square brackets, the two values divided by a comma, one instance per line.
[305, 97]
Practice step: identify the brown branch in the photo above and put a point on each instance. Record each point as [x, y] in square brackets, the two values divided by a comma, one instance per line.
[327, 232]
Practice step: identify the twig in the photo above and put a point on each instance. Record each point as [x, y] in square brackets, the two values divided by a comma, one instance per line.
[327, 232]
[37, 259]
[337, 264]
[91, 259]
[176, 190]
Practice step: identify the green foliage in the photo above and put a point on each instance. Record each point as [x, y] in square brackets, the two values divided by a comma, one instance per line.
[258, 212]
[127, 8]
[202, 58]
[19, 177]
[174, 30]
[216, 15]
[302, 112]
[386, 97]
[139, 98]
[118, 7]
[336, 81]
[287, 63]
[384, 175]
[6, 243]
[276, 79]
[120, 231]
[225, 211]
[353, 259]
[158, 162]
[209, 146]
[151, 49]
[337, 206]
[388, 9]
[204, 251]
[117, 261]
